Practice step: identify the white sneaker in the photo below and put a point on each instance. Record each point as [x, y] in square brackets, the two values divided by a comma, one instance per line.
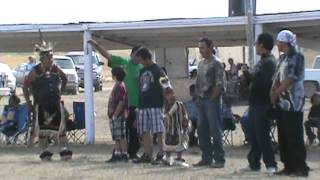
[168, 160]
[271, 171]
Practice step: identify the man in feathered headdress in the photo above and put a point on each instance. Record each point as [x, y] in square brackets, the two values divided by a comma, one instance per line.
[46, 81]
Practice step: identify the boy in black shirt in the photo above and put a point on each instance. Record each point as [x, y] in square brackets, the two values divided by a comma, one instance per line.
[150, 110]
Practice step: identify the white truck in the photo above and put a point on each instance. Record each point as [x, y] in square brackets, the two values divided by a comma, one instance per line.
[312, 78]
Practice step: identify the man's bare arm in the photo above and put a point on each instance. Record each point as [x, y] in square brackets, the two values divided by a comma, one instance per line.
[119, 108]
[105, 53]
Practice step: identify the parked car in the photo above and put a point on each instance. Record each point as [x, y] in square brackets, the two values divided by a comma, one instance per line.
[312, 78]
[97, 68]
[20, 72]
[68, 67]
[192, 68]
[7, 72]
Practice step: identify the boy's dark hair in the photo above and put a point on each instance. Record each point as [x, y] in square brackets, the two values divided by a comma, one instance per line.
[266, 40]
[192, 88]
[135, 49]
[14, 98]
[208, 42]
[144, 53]
[119, 73]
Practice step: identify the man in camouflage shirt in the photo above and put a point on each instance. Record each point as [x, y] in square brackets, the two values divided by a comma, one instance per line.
[210, 85]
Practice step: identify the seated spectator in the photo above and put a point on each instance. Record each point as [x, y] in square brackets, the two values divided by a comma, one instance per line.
[8, 116]
[193, 112]
[228, 119]
[313, 118]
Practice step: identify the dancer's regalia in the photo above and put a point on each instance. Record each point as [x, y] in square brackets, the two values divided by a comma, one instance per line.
[49, 115]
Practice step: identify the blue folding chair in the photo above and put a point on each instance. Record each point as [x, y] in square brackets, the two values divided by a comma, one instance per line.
[76, 130]
[13, 135]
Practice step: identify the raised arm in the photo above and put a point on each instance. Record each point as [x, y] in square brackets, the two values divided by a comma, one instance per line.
[105, 53]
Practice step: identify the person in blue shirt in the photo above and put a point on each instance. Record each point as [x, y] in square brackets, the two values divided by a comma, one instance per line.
[193, 112]
[31, 63]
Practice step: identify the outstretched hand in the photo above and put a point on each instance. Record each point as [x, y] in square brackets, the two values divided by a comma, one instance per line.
[93, 42]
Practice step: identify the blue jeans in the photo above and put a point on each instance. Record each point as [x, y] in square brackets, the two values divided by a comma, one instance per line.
[209, 126]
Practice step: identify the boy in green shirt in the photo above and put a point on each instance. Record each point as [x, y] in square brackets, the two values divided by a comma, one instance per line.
[132, 69]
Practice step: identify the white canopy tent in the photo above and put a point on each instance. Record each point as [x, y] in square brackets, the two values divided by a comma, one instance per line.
[228, 31]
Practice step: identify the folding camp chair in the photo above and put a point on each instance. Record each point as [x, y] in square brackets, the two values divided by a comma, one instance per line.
[228, 137]
[76, 130]
[18, 135]
[229, 125]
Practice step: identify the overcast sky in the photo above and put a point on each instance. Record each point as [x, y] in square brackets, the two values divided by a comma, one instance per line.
[67, 11]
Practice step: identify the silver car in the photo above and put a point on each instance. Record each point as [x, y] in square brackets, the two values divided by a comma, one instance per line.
[21, 71]
[68, 67]
[97, 68]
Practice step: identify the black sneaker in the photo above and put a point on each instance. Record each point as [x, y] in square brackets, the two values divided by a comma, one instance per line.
[300, 174]
[159, 160]
[159, 157]
[114, 158]
[46, 156]
[133, 156]
[143, 159]
[283, 172]
[202, 163]
[124, 158]
[65, 155]
[217, 165]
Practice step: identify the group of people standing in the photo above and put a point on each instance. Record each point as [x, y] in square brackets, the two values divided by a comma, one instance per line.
[142, 89]
[145, 114]
[275, 86]
[276, 90]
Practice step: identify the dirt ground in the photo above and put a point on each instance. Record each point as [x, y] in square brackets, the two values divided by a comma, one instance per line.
[21, 162]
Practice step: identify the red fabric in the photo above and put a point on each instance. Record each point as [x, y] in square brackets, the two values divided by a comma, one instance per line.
[38, 71]
[119, 93]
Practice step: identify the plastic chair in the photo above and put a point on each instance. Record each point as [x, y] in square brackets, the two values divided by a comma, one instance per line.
[76, 129]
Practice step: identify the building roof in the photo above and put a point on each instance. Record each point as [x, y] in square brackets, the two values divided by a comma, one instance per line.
[225, 31]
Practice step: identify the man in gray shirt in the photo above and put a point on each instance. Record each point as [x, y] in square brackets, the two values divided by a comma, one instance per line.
[210, 85]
